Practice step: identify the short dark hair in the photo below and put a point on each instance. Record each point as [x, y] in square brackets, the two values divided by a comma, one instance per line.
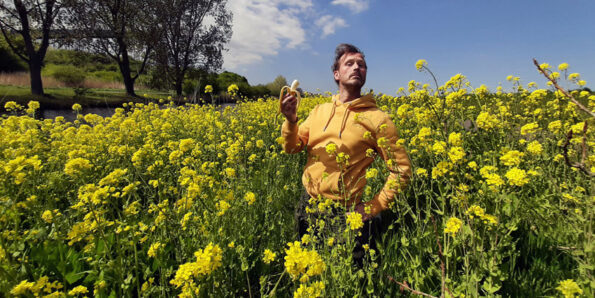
[341, 50]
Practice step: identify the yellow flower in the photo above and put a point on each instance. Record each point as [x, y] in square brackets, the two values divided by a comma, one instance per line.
[186, 145]
[12, 106]
[534, 148]
[529, 128]
[453, 225]
[354, 220]
[301, 263]
[456, 154]
[77, 107]
[512, 158]
[154, 249]
[563, 66]
[222, 207]
[331, 148]
[250, 197]
[306, 239]
[22, 288]
[439, 147]
[382, 142]
[229, 172]
[544, 66]
[472, 165]
[441, 169]
[569, 288]
[33, 105]
[454, 138]
[47, 216]
[371, 173]
[342, 158]
[330, 241]
[78, 290]
[486, 121]
[312, 291]
[233, 89]
[208, 89]
[76, 166]
[555, 126]
[269, 256]
[207, 261]
[422, 172]
[492, 179]
[2, 254]
[475, 210]
[420, 63]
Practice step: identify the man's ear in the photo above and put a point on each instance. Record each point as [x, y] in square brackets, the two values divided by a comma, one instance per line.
[336, 75]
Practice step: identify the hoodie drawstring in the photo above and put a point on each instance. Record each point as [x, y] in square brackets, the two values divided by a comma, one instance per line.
[344, 120]
[363, 102]
[331, 117]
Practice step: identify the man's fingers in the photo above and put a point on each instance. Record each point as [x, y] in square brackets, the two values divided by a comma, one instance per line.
[289, 98]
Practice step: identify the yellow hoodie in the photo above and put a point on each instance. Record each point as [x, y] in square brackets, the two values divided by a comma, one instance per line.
[354, 127]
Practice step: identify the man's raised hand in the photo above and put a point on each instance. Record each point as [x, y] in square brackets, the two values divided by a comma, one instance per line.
[289, 107]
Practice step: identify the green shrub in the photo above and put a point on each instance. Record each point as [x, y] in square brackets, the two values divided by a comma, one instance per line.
[107, 76]
[69, 75]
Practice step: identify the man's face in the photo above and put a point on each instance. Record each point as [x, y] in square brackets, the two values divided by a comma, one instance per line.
[352, 70]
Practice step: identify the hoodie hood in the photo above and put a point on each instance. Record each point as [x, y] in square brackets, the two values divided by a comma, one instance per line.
[365, 102]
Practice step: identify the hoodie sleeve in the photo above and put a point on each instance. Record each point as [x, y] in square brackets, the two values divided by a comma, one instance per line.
[397, 162]
[295, 136]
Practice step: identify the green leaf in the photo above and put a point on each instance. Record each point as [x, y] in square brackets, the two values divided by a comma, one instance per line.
[489, 287]
[404, 241]
[73, 277]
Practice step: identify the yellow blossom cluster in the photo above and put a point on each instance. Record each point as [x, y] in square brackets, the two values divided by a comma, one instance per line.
[453, 225]
[207, 261]
[476, 211]
[301, 263]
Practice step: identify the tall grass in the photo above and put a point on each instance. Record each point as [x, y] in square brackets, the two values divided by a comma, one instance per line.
[22, 79]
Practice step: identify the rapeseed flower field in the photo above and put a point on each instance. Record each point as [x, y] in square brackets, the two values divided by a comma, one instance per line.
[198, 200]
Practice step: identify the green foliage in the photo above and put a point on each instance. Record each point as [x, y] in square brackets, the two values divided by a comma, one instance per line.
[9, 62]
[276, 85]
[106, 75]
[69, 75]
[227, 78]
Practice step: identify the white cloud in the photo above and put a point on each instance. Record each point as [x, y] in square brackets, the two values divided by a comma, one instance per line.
[330, 23]
[262, 27]
[356, 6]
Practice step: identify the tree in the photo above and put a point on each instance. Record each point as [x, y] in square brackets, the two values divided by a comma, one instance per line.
[276, 85]
[194, 35]
[32, 21]
[121, 29]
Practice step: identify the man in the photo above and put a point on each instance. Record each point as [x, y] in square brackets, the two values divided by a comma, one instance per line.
[342, 138]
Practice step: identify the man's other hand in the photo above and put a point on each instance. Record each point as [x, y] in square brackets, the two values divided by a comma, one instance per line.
[288, 107]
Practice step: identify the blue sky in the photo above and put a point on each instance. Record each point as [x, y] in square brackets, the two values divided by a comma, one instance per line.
[483, 40]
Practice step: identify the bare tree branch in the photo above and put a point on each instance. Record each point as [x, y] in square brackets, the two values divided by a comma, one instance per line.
[579, 165]
[566, 93]
[406, 287]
